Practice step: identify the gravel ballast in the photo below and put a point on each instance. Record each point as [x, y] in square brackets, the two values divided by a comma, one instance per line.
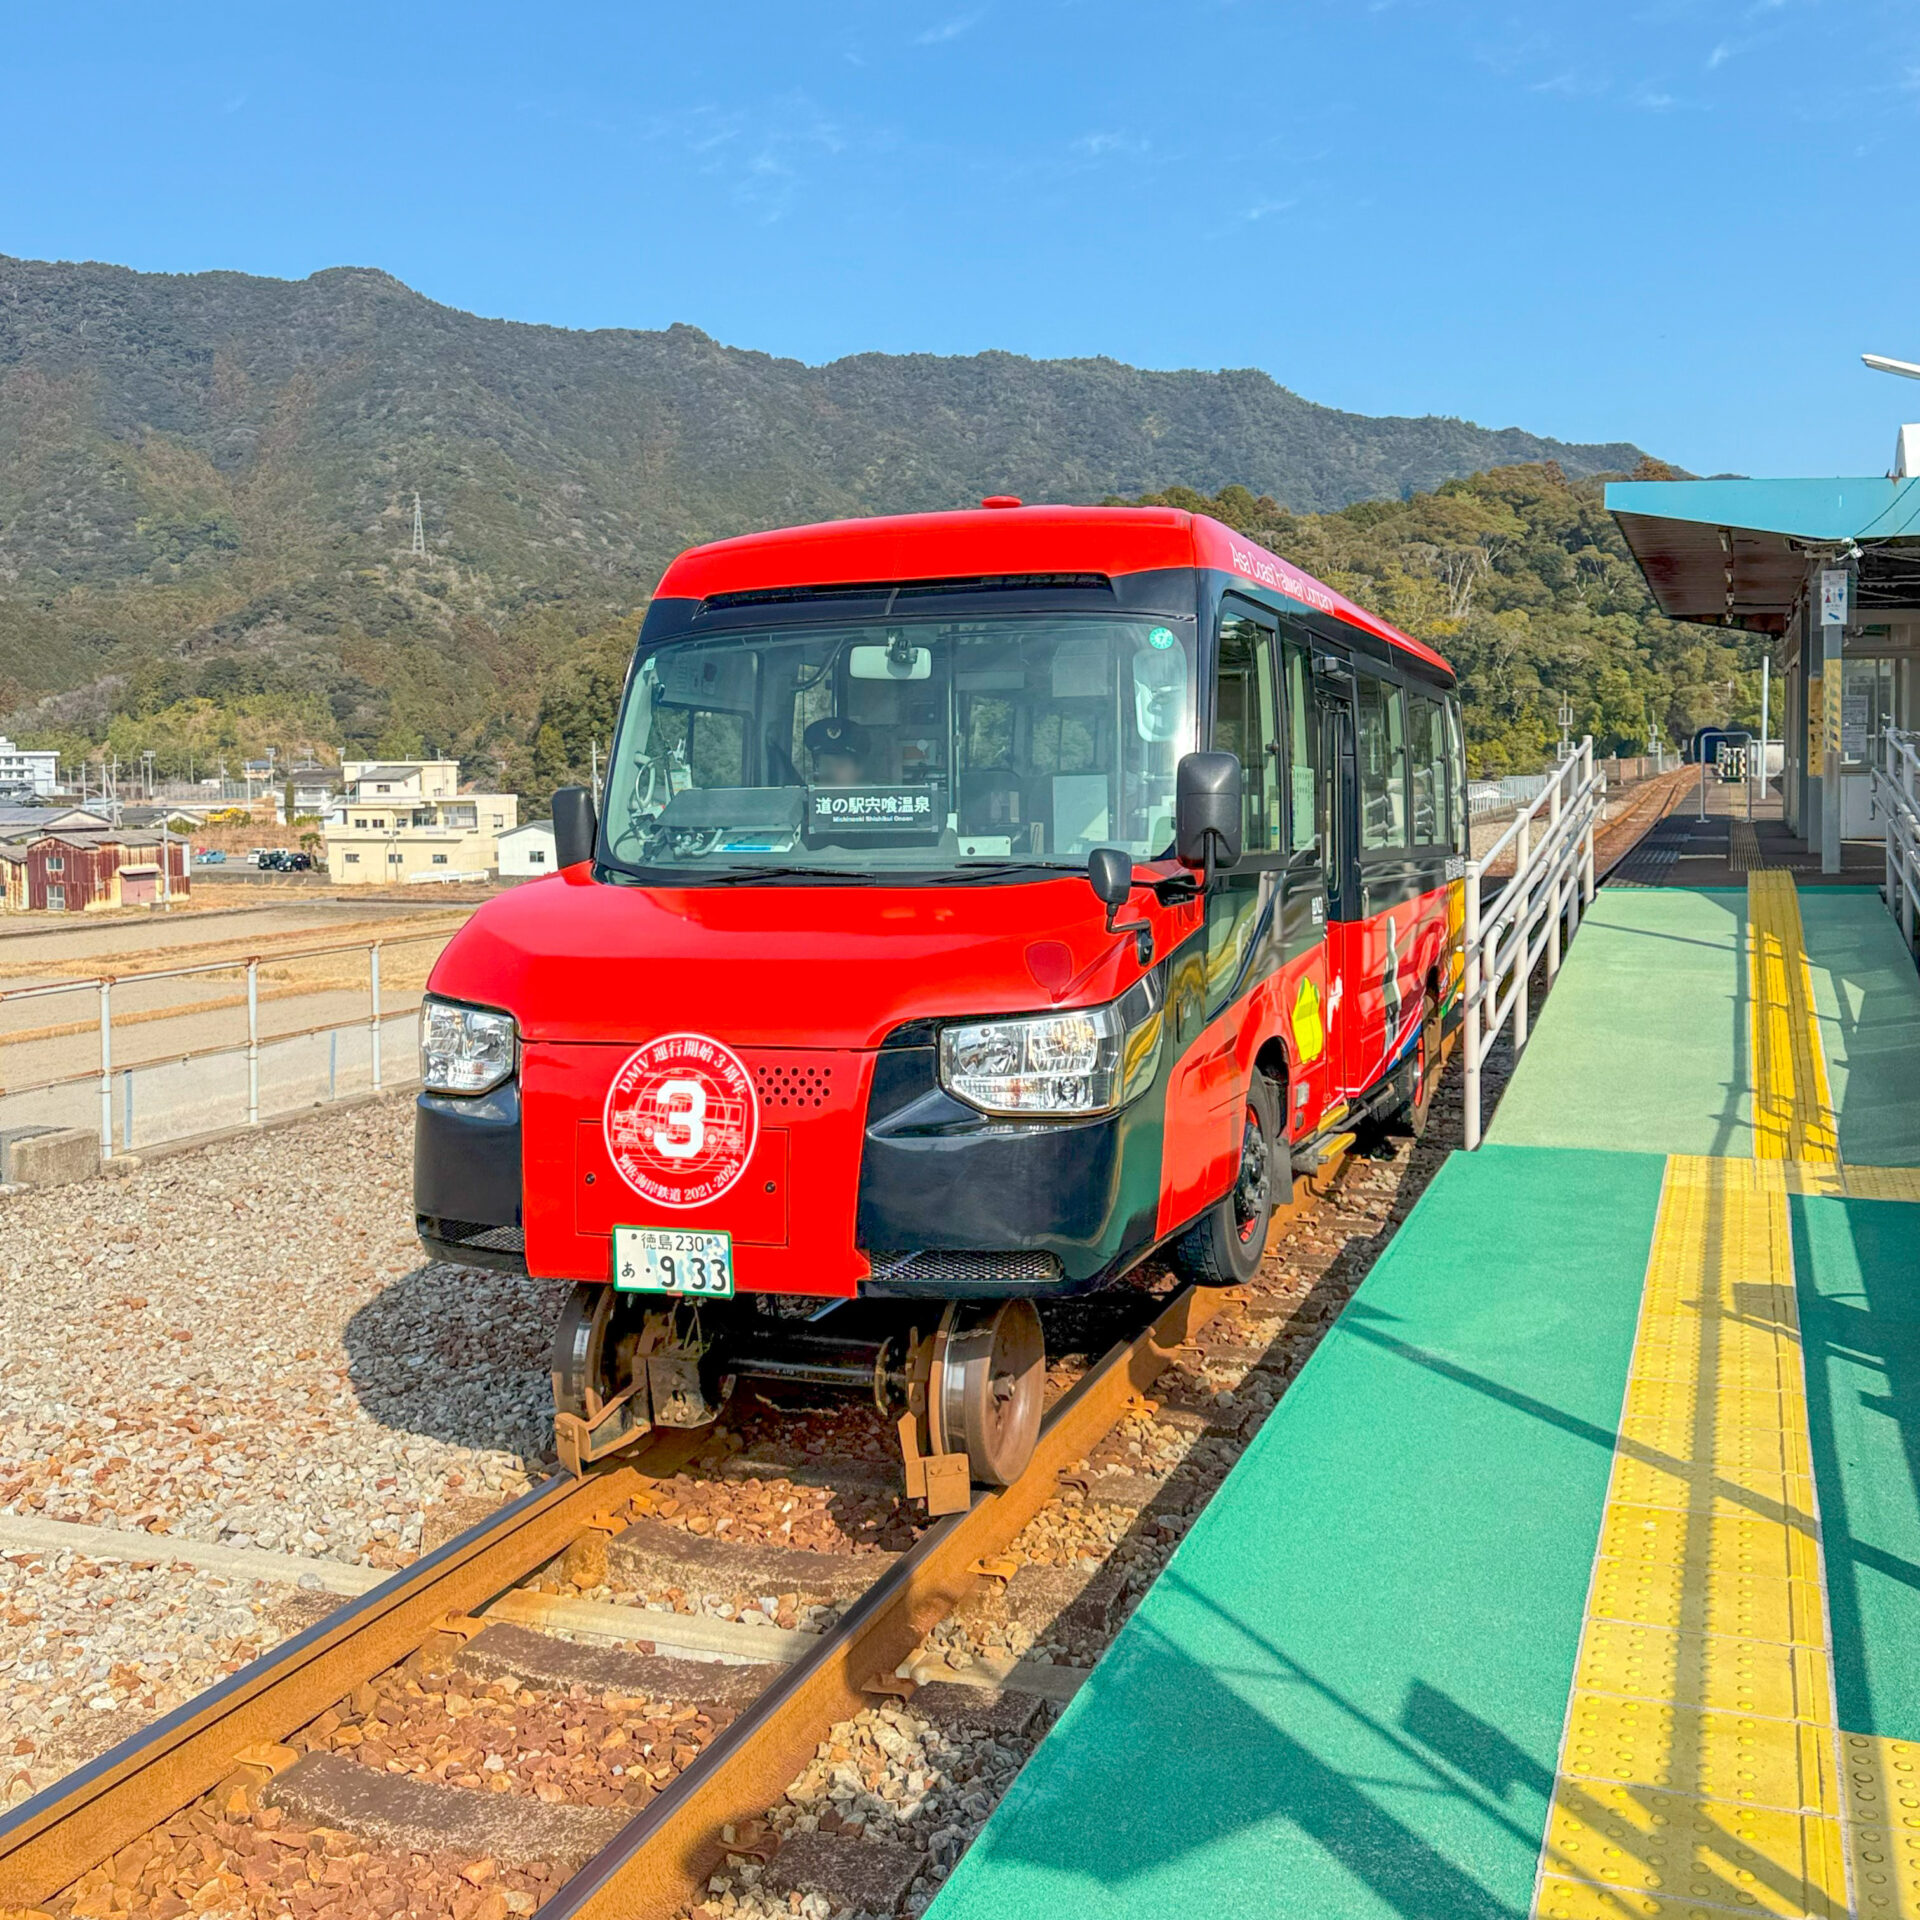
[239, 1345]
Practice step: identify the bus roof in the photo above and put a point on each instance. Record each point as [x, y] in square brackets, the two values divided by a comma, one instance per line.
[1009, 540]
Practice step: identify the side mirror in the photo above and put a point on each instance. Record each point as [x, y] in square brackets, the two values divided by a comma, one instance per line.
[574, 826]
[1208, 799]
[1110, 875]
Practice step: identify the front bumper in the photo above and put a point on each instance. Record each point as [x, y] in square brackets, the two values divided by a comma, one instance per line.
[467, 1178]
[871, 1180]
[956, 1204]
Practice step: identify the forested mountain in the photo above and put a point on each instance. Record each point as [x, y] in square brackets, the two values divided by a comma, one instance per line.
[1520, 577]
[207, 481]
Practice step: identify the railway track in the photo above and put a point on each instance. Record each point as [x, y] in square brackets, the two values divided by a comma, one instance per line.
[329, 1740]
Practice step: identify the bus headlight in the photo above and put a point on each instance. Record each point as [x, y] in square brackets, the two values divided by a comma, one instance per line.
[1084, 1061]
[465, 1049]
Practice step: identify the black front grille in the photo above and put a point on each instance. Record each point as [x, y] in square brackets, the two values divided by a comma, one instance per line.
[472, 1233]
[964, 1269]
[474, 1242]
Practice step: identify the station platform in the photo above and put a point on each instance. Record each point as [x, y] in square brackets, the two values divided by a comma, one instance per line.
[1578, 1573]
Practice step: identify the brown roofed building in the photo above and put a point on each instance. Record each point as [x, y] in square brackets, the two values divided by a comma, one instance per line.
[82, 870]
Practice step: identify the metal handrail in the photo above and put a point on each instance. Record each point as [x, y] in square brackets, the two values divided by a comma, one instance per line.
[1896, 798]
[1535, 913]
[272, 957]
[103, 986]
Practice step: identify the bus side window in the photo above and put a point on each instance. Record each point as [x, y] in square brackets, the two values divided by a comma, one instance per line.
[1456, 779]
[1306, 825]
[1429, 755]
[1245, 723]
[1380, 715]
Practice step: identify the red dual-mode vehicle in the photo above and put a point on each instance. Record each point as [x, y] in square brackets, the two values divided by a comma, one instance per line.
[979, 903]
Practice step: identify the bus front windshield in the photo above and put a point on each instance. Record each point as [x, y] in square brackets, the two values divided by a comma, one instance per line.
[905, 748]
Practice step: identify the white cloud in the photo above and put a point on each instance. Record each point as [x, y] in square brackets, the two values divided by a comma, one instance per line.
[938, 36]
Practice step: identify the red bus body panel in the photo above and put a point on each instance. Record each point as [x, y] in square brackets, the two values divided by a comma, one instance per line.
[806, 982]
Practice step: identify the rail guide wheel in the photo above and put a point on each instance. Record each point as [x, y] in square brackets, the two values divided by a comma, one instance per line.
[988, 1384]
[599, 1397]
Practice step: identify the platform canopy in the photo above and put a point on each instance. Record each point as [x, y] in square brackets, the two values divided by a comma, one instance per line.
[1736, 552]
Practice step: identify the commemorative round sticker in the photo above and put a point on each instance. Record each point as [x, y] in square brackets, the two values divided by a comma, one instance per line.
[681, 1120]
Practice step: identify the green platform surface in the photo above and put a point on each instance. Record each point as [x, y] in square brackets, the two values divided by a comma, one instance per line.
[1344, 1696]
[1867, 997]
[1643, 1042]
[1857, 1271]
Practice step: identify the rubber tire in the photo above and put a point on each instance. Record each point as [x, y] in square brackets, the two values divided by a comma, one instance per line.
[1221, 1249]
[1423, 1073]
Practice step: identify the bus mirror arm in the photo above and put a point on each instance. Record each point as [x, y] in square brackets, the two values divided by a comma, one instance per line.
[1110, 875]
[574, 826]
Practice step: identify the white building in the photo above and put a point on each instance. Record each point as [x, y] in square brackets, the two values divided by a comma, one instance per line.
[527, 852]
[36, 769]
[406, 821]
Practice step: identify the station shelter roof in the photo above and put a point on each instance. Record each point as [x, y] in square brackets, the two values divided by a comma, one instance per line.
[1737, 551]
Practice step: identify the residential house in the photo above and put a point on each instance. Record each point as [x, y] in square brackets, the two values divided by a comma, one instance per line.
[406, 822]
[527, 852]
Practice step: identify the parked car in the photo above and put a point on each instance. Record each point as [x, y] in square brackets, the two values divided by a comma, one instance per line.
[209, 857]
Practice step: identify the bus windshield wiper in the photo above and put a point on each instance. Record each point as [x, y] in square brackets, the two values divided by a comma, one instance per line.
[996, 869]
[732, 876]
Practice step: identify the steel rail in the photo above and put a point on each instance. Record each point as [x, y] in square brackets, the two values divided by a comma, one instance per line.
[659, 1862]
[49, 1841]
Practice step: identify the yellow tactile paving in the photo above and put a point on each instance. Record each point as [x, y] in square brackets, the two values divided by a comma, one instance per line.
[1660, 1404]
[1720, 1671]
[1714, 1486]
[1792, 1105]
[1784, 1764]
[1712, 1543]
[1699, 1771]
[1749, 1606]
[1579, 1900]
[1855, 1183]
[1732, 1449]
[1674, 1847]
[1881, 1779]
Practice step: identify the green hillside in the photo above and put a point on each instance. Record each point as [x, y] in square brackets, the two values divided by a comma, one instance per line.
[206, 491]
[1520, 577]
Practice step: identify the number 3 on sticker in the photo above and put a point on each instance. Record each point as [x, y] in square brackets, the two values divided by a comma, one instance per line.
[683, 1105]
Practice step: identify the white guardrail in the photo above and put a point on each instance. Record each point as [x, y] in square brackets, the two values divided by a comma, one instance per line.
[216, 1080]
[1896, 798]
[1535, 912]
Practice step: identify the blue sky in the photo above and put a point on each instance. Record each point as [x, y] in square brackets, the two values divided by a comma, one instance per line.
[1667, 221]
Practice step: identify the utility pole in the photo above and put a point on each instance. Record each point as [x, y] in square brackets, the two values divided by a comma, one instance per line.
[1566, 731]
[419, 530]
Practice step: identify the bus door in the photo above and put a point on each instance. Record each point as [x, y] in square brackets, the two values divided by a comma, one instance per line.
[1236, 979]
[1376, 956]
[1305, 908]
